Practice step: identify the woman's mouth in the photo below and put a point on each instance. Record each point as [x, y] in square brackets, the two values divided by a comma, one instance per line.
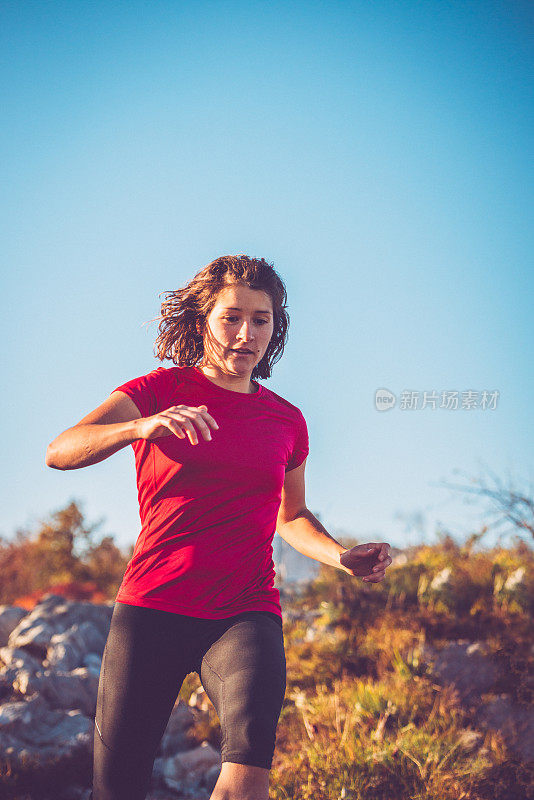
[242, 352]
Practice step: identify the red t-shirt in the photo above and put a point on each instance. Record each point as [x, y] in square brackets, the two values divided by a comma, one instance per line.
[208, 511]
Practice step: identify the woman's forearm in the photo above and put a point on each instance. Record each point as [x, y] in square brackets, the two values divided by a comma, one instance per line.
[306, 534]
[88, 444]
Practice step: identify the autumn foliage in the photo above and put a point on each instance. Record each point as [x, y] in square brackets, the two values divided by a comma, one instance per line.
[62, 557]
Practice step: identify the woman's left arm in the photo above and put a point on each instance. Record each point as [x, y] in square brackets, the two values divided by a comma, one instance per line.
[303, 531]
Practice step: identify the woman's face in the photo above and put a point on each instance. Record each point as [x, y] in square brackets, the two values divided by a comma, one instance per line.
[242, 318]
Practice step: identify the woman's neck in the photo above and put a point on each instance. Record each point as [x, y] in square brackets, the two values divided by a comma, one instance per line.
[235, 383]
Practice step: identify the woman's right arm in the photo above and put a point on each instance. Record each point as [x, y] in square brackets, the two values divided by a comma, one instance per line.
[116, 423]
[98, 435]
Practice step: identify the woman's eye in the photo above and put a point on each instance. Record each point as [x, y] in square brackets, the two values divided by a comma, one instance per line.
[261, 321]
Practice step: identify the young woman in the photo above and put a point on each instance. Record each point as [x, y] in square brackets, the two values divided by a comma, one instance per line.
[220, 465]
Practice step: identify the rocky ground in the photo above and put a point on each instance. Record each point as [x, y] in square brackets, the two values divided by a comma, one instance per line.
[49, 670]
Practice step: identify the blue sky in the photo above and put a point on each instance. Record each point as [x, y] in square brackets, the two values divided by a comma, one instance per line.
[379, 154]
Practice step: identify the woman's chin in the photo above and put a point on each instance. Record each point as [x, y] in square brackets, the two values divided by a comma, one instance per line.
[238, 369]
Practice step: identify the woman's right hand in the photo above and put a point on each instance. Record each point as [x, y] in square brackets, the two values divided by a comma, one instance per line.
[181, 421]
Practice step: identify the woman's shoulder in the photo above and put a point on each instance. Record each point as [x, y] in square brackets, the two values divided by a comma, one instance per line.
[152, 390]
[283, 402]
[170, 374]
[169, 378]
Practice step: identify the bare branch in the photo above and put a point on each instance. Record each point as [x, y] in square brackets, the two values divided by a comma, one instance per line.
[504, 501]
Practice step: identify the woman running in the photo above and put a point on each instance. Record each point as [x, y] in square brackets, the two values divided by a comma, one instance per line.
[220, 465]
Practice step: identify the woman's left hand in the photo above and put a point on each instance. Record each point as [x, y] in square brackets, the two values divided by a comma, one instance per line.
[367, 561]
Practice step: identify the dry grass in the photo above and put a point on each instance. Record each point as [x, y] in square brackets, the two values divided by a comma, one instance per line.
[362, 718]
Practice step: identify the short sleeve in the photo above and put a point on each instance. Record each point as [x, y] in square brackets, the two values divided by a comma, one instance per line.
[301, 447]
[148, 392]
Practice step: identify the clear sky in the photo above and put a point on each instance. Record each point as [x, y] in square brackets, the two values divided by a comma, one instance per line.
[379, 154]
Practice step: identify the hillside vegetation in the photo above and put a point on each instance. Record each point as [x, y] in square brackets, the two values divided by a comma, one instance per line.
[363, 718]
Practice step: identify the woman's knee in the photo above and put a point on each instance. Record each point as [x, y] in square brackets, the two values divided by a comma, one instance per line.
[241, 782]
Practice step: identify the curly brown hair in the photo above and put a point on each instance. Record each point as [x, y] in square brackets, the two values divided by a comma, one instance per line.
[184, 311]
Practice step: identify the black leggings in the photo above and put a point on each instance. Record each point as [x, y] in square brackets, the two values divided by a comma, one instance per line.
[240, 661]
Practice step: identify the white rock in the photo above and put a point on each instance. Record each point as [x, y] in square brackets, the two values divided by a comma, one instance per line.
[10, 616]
[514, 579]
[186, 770]
[441, 579]
[199, 699]
[174, 738]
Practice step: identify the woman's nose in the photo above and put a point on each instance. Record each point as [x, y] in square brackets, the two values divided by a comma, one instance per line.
[245, 331]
